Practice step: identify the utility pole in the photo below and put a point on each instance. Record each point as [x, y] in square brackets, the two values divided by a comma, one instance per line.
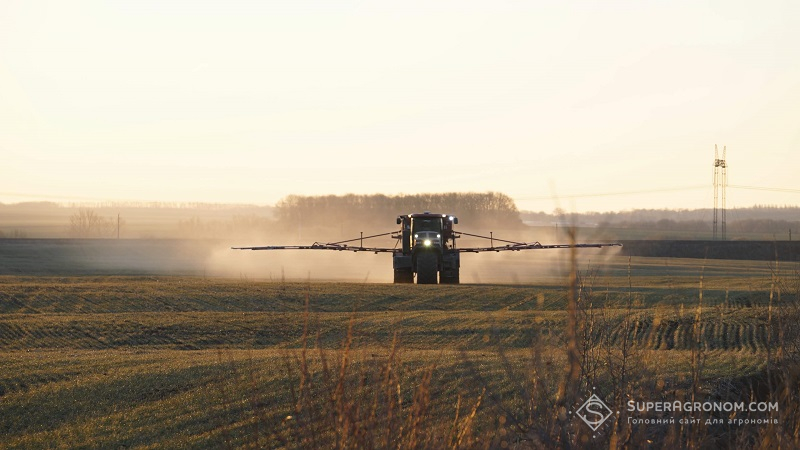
[720, 180]
[117, 225]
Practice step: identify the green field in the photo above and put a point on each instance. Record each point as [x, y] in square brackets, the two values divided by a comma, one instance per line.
[166, 362]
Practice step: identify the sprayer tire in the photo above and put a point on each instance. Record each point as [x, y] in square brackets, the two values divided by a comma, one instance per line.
[402, 276]
[427, 268]
[453, 279]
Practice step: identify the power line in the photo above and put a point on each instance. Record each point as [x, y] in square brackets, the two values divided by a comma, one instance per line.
[539, 197]
[49, 197]
[611, 194]
[650, 191]
[762, 188]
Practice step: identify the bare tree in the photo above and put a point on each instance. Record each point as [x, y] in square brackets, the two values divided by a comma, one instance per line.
[87, 223]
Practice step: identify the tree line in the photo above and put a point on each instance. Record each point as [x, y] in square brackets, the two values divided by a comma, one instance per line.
[757, 212]
[736, 226]
[347, 214]
[307, 215]
[379, 211]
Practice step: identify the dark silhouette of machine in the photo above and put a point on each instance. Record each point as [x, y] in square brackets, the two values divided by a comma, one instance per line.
[427, 248]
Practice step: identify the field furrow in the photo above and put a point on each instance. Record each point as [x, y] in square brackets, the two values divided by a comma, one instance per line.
[422, 331]
[110, 362]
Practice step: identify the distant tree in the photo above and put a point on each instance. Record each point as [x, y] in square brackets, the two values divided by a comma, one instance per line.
[16, 234]
[359, 212]
[87, 223]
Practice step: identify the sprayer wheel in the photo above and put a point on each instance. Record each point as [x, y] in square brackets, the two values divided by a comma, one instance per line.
[427, 268]
[452, 279]
[403, 275]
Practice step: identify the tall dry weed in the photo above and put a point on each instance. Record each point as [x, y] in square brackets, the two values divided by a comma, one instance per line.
[350, 398]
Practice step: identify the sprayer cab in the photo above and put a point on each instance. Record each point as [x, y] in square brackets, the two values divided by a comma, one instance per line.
[428, 249]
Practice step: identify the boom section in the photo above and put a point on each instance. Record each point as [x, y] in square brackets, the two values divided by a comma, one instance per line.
[338, 246]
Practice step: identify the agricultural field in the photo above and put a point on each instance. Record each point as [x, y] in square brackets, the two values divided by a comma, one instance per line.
[164, 361]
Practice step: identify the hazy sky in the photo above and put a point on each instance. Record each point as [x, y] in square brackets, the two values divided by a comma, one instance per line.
[248, 102]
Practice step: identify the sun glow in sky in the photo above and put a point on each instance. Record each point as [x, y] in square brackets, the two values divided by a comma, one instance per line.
[590, 106]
